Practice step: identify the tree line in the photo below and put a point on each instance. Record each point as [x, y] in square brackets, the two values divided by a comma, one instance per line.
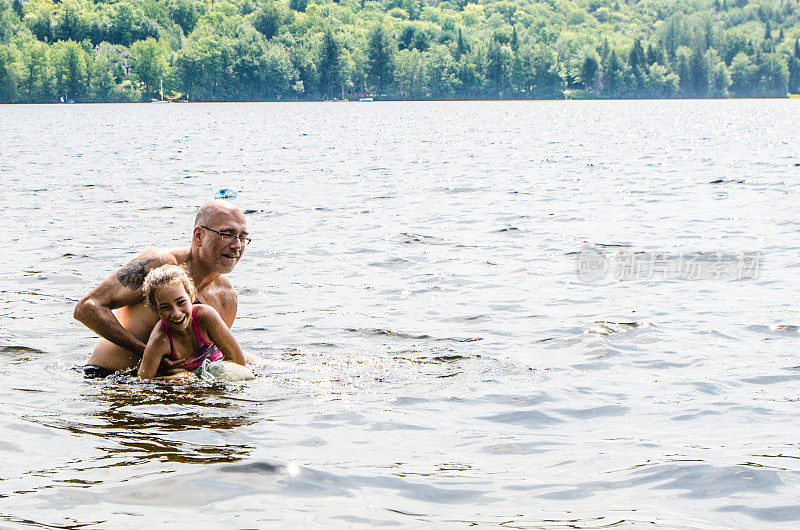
[254, 50]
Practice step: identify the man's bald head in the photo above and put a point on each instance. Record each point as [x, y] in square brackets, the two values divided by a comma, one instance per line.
[219, 236]
[214, 209]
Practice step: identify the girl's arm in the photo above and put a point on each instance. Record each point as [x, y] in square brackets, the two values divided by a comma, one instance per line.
[157, 347]
[216, 330]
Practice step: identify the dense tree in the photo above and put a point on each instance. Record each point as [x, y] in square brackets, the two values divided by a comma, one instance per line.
[615, 78]
[660, 82]
[269, 49]
[298, 5]
[719, 78]
[590, 73]
[773, 76]
[744, 76]
[149, 65]
[263, 70]
[205, 68]
[69, 60]
[329, 66]
[122, 25]
[655, 54]
[411, 74]
[8, 25]
[39, 21]
[539, 73]
[461, 46]
[37, 76]
[268, 19]
[9, 73]
[380, 60]
[793, 81]
[184, 13]
[697, 75]
[443, 82]
[101, 84]
[69, 23]
[498, 68]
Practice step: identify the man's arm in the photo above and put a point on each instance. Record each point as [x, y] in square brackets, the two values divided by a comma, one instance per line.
[120, 289]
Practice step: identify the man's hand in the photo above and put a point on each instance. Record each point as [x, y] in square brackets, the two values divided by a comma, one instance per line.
[178, 363]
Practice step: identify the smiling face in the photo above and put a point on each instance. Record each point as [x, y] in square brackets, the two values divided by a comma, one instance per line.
[173, 305]
[217, 238]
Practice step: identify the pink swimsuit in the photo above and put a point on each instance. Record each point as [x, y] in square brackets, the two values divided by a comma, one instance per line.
[205, 350]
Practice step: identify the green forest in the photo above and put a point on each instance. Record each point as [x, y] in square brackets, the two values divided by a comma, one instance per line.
[289, 50]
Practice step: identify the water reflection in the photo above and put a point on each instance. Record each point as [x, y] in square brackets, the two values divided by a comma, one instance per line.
[176, 424]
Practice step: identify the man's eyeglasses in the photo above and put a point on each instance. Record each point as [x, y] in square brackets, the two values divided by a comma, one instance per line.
[230, 236]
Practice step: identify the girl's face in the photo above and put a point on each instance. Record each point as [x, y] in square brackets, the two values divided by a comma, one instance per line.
[173, 305]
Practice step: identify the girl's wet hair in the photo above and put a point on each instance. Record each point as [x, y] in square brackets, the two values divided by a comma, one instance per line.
[164, 275]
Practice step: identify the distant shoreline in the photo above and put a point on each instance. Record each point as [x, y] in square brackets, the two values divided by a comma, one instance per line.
[788, 96]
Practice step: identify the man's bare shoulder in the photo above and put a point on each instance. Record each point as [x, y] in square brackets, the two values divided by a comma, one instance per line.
[132, 274]
[222, 290]
[222, 297]
[225, 291]
[223, 282]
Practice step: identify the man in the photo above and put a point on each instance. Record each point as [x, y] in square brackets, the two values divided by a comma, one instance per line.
[114, 309]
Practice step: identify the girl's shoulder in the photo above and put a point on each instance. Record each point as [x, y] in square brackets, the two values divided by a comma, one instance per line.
[205, 313]
[159, 331]
[159, 339]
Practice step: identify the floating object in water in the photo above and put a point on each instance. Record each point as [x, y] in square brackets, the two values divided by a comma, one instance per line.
[365, 100]
[722, 181]
[226, 193]
[223, 371]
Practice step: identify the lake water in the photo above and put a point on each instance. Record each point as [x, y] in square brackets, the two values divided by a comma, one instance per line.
[516, 314]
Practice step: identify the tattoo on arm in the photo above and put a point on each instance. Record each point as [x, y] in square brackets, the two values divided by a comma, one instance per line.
[132, 275]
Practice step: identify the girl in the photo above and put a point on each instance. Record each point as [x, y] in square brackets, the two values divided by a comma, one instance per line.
[178, 345]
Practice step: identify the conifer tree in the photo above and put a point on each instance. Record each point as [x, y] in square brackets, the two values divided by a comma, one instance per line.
[380, 60]
[461, 46]
[329, 64]
[698, 74]
[604, 50]
[498, 65]
[613, 75]
[637, 58]
[794, 75]
[655, 54]
[589, 71]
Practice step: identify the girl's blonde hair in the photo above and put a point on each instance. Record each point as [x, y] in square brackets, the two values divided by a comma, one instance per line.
[163, 275]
